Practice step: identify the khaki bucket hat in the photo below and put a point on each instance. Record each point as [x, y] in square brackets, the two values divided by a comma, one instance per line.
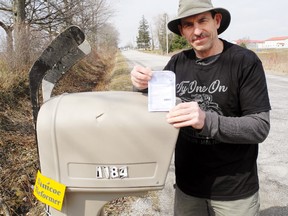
[192, 7]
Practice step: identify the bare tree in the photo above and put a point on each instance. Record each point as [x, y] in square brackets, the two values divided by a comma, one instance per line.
[93, 18]
[8, 28]
[21, 32]
[162, 33]
[108, 38]
[28, 23]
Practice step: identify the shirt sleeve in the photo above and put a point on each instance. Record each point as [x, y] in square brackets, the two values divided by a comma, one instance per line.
[249, 129]
[253, 91]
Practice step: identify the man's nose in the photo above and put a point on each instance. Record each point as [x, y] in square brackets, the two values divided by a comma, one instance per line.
[197, 30]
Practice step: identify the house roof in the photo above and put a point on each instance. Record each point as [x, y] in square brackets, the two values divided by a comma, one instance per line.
[277, 38]
[248, 41]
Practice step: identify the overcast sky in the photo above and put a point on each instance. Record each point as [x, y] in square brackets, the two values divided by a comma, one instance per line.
[257, 20]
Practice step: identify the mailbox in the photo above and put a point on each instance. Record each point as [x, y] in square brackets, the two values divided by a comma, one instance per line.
[102, 146]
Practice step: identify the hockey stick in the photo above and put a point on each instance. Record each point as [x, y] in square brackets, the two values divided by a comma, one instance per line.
[62, 53]
[52, 76]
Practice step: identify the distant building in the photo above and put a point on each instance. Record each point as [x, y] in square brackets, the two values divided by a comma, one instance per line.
[250, 44]
[275, 43]
[271, 43]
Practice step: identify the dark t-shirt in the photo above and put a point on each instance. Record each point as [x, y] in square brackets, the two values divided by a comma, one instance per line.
[234, 85]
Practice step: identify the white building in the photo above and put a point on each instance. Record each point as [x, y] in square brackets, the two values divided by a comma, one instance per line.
[250, 44]
[275, 43]
[271, 43]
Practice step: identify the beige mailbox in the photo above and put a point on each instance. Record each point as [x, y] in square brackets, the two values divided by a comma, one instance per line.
[102, 146]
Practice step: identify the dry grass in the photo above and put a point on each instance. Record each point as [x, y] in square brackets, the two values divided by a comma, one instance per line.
[275, 61]
[120, 76]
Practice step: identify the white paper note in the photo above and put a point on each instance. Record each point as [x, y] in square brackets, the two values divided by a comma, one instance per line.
[161, 91]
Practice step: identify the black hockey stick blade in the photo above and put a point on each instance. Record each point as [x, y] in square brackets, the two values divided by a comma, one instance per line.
[54, 75]
[60, 48]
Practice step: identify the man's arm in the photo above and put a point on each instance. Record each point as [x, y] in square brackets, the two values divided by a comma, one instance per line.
[248, 129]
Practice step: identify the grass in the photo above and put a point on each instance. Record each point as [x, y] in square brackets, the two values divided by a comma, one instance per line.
[274, 60]
[120, 76]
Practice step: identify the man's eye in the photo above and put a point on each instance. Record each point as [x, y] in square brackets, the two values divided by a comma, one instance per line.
[202, 20]
[187, 25]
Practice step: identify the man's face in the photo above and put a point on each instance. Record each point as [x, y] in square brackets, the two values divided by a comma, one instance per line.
[201, 32]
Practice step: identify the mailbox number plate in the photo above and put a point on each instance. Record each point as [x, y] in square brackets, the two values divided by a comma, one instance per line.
[111, 172]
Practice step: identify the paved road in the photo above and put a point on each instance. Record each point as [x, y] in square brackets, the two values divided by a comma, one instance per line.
[273, 153]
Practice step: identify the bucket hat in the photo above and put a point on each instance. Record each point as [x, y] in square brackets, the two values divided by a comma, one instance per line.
[192, 7]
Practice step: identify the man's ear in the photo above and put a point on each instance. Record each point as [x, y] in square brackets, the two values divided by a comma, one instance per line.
[180, 29]
[218, 19]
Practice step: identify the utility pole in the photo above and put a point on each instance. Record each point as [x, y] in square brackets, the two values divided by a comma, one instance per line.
[167, 34]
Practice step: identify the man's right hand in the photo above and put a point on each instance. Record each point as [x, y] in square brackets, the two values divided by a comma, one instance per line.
[140, 77]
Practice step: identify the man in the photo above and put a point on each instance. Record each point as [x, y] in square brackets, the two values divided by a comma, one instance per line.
[223, 117]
